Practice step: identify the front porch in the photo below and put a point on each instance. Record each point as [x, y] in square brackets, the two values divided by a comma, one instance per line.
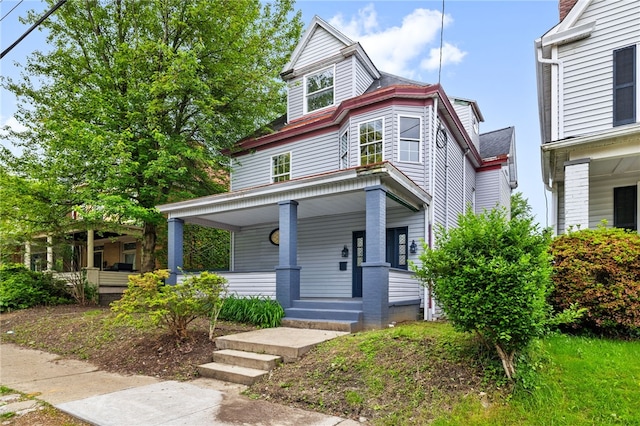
[321, 252]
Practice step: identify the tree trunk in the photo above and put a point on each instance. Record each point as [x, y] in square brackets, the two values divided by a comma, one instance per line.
[507, 362]
[149, 237]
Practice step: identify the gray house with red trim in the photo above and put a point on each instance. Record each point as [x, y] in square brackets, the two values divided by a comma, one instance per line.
[327, 211]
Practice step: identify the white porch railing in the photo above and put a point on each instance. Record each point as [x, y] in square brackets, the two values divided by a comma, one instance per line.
[403, 286]
[246, 284]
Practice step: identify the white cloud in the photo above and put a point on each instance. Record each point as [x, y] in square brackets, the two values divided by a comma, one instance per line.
[11, 124]
[395, 49]
[450, 55]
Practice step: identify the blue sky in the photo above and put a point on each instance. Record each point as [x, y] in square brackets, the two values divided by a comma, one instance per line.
[488, 57]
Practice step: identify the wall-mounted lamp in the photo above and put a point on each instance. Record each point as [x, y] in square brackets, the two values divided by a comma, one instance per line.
[345, 252]
[413, 248]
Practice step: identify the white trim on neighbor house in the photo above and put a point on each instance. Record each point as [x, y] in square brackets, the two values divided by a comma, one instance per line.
[382, 141]
[419, 140]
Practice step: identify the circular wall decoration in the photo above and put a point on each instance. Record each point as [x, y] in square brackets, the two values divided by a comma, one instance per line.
[274, 237]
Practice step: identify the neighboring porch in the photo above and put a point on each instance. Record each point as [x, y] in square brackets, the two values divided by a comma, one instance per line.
[298, 242]
[594, 179]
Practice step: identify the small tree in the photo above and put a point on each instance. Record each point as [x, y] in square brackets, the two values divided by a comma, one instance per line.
[490, 276]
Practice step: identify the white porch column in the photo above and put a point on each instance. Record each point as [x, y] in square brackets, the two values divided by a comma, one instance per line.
[27, 255]
[576, 193]
[49, 253]
[90, 245]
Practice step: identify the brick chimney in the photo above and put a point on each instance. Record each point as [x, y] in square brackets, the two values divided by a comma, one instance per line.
[565, 6]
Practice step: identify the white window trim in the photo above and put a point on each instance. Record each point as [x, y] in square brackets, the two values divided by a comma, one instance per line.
[305, 108]
[420, 139]
[125, 252]
[383, 137]
[290, 165]
[340, 152]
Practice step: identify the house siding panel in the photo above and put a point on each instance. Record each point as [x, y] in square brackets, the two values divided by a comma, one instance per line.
[601, 197]
[320, 45]
[561, 222]
[295, 99]
[417, 172]
[488, 189]
[343, 81]
[588, 66]
[577, 195]
[362, 78]
[449, 191]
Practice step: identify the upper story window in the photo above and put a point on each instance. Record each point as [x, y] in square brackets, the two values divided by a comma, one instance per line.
[410, 131]
[344, 150]
[624, 86]
[318, 89]
[281, 167]
[371, 141]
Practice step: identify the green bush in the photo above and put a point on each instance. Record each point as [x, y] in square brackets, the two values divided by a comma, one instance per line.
[171, 306]
[260, 311]
[490, 275]
[21, 288]
[599, 270]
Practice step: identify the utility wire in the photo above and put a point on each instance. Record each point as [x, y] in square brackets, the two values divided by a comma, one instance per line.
[12, 9]
[441, 38]
[33, 27]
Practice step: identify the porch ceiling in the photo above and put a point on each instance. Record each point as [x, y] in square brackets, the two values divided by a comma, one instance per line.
[323, 195]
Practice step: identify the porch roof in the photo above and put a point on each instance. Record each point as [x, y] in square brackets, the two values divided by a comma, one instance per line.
[332, 193]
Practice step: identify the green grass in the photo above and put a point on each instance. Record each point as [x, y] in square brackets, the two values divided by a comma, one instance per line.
[586, 381]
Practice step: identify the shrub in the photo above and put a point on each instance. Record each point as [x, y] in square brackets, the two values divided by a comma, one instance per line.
[490, 275]
[260, 311]
[599, 270]
[21, 288]
[171, 306]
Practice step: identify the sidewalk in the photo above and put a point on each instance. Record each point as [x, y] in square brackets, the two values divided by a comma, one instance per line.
[108, 399]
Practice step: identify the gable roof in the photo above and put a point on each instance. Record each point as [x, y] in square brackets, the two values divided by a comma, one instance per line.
[386, 80]
[496, 143]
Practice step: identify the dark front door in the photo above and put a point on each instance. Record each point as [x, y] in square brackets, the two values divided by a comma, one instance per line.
[358, 259]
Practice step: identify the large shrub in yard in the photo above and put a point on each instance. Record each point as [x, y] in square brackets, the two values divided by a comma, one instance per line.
[22, 288]
[599, 270]
[490, 275]
[172, 306]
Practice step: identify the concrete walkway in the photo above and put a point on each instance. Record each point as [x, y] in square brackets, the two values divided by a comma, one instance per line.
[108, 399]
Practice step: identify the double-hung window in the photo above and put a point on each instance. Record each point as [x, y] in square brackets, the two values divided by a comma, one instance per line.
[371, 144]
[410, 131]
[129, 253]
[624, 86]
[318, 89]
[281, 167]
[344, 150]
[625, 207]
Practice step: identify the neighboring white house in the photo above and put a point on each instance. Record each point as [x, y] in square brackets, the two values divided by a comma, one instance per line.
[588, 92]
[327, 210]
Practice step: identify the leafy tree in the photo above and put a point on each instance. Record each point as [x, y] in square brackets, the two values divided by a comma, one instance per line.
[491, 275]
[135, 101]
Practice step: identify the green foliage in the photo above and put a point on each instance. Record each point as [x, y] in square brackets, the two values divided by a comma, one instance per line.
[490, 275]
[599, 271]
[139, 113]
[260, 311]
[170, 306]
[205, 249]
[21, 288]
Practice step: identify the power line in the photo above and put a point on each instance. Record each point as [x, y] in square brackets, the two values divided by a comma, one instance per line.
[12, 9]
[33, 27]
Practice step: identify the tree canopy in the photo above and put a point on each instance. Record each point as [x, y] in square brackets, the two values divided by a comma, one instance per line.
[136, 100]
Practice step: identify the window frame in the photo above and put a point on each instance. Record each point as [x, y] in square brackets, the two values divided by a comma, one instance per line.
[128, 251]
[307, 94]
[401, 139]
[393, 249]
[633, 204]
[631, 86]
[272, 166]
[343, 151]
[360, 145]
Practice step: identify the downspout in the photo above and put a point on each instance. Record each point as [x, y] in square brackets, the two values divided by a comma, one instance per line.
[464, 179]
[557, 96]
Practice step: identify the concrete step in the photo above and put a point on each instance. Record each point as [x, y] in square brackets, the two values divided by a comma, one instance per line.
[231, 373]
[319, 324]
[347, 305]
[247, 359]
[324, 314]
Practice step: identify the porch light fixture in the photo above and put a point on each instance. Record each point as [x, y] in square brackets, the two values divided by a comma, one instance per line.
[345, 252]
[413, 248]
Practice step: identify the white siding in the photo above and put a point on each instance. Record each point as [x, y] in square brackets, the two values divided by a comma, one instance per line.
[449, 191]
[320, 45]
[295, 98]
[588, 65]
[470, 183]
[561, 222]
[308, 157]
[505, 190]
[253, 250]
[362, 78]
[247, 284]
[403, 285]
[417, 172]
[488, 189]
[601, 197]
[343, 81]
[387, 115]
